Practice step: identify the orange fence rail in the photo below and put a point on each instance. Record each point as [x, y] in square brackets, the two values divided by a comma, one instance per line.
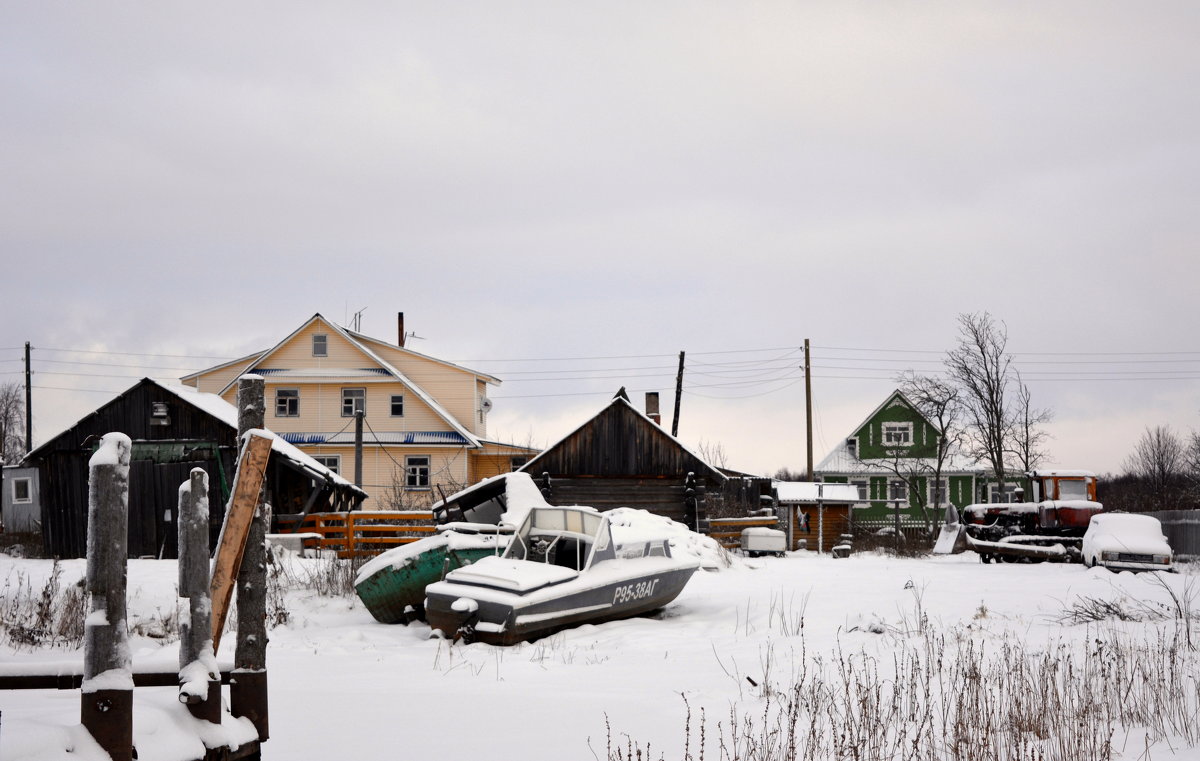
[728, 531]
[362, 533]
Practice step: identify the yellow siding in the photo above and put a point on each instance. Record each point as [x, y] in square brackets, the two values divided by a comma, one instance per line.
[383, 473]
[212, 382]
[454, 388]
[321, 408]
[297, 353]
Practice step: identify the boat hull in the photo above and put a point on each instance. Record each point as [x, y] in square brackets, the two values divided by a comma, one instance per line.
[501, 617]
[394, 594]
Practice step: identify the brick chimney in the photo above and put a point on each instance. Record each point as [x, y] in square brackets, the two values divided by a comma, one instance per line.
[652, 407]
[400, 328]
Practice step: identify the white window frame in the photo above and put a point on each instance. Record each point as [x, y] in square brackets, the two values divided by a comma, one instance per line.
[413, 475]
[1010, 489]
[295, 397]
[347, 396]
[931, 484]
[321, 341]
[888, 430]
[392, 405]
[28, 483]
[331, 461]
[892, 485]
[864, 488]
[513, 465]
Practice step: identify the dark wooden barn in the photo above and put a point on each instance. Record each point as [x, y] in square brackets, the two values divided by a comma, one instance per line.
[622, 458]
[174, 429]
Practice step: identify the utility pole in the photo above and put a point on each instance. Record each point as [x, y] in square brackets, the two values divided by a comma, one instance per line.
[678, 393]
[28, 404]
[808, 407]
[358, 444]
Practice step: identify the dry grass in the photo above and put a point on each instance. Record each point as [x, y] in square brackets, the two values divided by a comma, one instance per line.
[955, 696]
[51, 616]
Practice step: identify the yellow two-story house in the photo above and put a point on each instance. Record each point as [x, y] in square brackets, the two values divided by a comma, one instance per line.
[424, 430]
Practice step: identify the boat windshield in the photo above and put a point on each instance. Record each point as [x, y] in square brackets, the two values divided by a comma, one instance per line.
[562, 536]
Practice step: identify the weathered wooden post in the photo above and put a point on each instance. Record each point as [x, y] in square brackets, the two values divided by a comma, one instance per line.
[248, 685]
[106, 704]
[199, 675]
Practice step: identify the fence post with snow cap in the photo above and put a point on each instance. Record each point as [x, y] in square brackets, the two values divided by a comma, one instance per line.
[199, 675]
[248, 688]
[106, 699]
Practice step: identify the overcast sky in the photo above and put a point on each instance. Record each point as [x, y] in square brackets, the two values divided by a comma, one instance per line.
[602, 185]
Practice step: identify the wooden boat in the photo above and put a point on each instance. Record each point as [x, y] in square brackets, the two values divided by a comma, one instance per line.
[392, 585]
[562, 568]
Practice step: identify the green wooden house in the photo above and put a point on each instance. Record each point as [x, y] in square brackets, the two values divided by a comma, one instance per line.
[892, 458]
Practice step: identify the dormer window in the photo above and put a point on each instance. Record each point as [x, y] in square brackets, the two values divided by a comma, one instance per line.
[320, 345]
[897, 434]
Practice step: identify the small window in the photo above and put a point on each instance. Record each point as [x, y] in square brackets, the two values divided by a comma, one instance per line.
[939, 491]
[997, 496]
[159, 410]
[897, 434]
[861, 485]
[22, 490]
[516, 463]
[287, 402]
[331, 461]
[416, 472]
[353, 400]
[397, 405]
[320, 345]
[898, 490]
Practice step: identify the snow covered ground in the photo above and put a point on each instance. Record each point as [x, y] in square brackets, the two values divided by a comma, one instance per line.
[344, 686]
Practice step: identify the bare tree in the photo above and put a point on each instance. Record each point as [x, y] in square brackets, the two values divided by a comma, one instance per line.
[12, 423]
[1191, 468]
[982, 369]
[713, 452]
[1027, 435]
[941, 404]
[787, 474]
[1158, 461]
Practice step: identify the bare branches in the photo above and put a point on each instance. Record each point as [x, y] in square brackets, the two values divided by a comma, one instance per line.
[1027, 437]
[12, 422]
[1158, 460]
[982, 368]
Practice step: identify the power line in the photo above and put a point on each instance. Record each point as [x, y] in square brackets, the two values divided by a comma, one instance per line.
[136, 354]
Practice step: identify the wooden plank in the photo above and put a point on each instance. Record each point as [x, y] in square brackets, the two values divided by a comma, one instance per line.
[247, 488]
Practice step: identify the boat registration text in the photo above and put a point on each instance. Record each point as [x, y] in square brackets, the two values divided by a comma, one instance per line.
[630, 592]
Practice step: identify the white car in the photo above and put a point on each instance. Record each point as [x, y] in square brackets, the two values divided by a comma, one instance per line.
[1126, 542]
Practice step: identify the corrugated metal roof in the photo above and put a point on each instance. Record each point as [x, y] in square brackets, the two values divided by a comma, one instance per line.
[320, 372]
[437, 438]
[807, 491]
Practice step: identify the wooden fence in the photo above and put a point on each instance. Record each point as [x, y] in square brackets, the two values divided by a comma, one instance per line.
[361, 533]
[1182, 528]
[728, 531]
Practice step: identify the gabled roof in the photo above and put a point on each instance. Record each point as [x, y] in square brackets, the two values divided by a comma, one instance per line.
[218, 408]
[887, 403]
[437, 408]
[841, 461]
[622, 400]
[482, 376]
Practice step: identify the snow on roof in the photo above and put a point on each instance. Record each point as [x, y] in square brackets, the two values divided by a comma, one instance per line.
[811, 491]
[841, 461]
[227, 413]
[436, 406]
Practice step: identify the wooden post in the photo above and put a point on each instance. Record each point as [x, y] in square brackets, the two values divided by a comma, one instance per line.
[820, 526]
[358, 426]
[248, 686]
[199, 675]
[897, 525]
[808, 412]
[106, 698]
[678, 393]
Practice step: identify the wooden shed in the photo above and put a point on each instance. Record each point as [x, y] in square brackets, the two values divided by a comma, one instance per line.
[622, 458]
[174, 429]
[818, 513]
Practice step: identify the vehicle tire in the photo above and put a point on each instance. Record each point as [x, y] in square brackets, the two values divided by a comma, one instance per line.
[985, 557]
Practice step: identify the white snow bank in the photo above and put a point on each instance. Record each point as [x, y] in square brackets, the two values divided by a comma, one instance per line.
[632, 526]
